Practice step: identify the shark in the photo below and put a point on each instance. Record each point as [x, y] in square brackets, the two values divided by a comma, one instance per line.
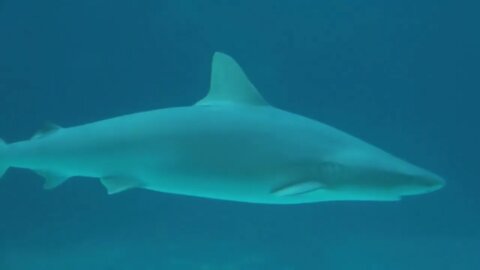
[230, 145]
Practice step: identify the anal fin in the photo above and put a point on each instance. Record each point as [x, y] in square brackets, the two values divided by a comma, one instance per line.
[47, 129]
[116, 184]
[52, 179]
[3, 165]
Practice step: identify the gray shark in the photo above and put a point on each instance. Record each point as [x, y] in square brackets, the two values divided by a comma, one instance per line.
[231, 145]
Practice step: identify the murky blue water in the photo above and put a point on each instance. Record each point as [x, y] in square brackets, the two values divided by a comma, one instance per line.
[402, 75]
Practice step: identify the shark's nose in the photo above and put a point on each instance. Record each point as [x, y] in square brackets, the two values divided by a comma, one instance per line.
[432, 182]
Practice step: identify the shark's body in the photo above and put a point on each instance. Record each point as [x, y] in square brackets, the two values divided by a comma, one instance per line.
[231, 145]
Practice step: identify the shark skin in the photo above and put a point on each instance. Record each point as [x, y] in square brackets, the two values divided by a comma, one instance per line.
[231, 145]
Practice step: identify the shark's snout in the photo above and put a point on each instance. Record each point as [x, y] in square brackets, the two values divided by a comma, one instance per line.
[413, 180]
[376, 172]
[427, 182]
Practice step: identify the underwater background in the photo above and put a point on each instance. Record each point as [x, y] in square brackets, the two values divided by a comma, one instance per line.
[402, 75]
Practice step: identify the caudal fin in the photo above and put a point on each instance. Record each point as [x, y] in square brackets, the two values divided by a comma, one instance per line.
[3, 165]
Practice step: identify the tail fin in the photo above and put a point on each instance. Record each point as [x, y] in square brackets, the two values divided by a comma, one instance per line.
[3, 165]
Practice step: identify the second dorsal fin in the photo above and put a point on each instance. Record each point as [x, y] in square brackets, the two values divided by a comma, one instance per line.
[229, 85]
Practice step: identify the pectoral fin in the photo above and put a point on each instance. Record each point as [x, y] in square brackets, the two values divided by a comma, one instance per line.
[298, 188]
[116, 184]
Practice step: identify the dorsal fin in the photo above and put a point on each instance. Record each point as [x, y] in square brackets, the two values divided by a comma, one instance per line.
[230, 85]
[46, 130]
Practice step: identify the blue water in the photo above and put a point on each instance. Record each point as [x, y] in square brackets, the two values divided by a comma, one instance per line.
[402, 75]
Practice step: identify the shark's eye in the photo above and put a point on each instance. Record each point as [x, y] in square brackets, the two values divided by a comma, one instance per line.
[328, 168]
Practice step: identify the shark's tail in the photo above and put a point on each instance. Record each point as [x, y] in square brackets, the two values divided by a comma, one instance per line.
[3, 164]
